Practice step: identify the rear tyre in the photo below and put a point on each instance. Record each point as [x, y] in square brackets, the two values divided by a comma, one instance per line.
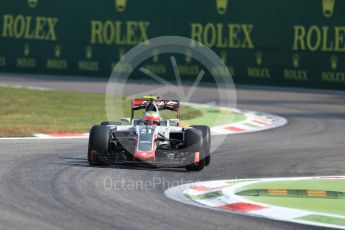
[98, 144]
[206, 133]
[194, 144]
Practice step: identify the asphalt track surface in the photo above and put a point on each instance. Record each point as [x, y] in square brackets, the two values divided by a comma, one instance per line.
[48, 184]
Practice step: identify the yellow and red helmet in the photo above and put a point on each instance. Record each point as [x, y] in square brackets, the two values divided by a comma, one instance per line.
[152, 116]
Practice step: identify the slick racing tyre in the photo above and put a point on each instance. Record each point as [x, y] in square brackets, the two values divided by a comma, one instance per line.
[98, 144]
[206, 133]
[194, 144]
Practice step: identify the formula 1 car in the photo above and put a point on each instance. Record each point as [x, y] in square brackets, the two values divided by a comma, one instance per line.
[150, 140]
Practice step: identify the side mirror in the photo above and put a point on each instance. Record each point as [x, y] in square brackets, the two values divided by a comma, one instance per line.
[126, 119]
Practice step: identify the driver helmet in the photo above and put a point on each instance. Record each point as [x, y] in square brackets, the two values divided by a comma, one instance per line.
[152, 116]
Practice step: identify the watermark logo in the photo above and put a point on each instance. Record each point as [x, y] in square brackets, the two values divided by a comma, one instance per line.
[173, 51]
[152, 184]
[328, 8]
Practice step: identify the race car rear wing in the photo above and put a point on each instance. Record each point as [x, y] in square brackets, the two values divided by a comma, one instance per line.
[162, 104]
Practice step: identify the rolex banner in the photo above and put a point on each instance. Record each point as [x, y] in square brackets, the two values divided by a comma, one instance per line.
[285, 43]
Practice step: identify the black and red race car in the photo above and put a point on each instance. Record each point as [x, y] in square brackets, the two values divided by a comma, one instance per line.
[150, 139]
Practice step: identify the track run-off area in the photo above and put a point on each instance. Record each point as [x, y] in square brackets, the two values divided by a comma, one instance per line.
[317, 201]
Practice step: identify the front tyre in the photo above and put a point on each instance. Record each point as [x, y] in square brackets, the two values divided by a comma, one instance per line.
[98, 144]
[206, 133]
[194, 143]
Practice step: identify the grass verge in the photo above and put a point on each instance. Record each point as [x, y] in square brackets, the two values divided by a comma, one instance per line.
[25, 112]
[322, 205]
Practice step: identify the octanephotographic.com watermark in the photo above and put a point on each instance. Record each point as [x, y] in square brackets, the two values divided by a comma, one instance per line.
[152, 184]
[171, 84]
